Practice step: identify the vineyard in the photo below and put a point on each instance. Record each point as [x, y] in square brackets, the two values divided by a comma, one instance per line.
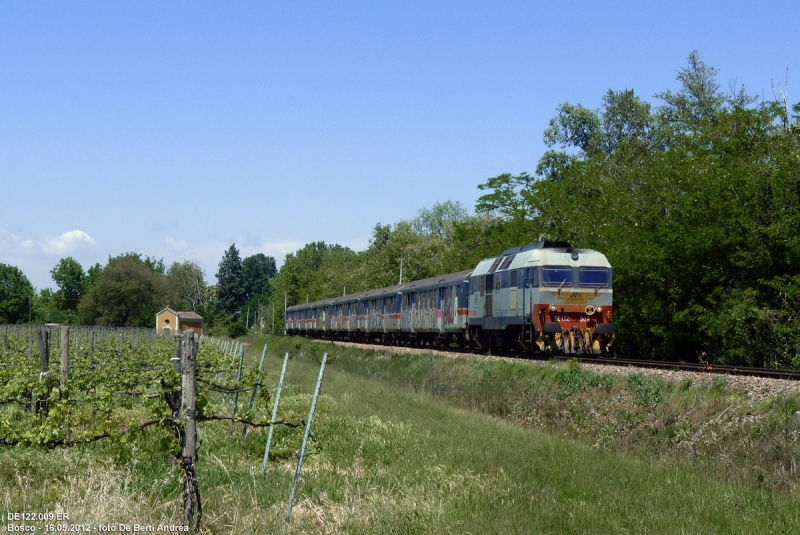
[67, 388]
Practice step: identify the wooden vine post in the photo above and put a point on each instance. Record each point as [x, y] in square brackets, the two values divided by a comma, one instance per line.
[192, 508]
[43, 342]
[64, 354]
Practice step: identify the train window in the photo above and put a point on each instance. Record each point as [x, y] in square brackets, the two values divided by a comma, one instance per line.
[489, 283]
[495, 264]
[497, 282]
[590, 276]
[513, 281]
[557, 276]
[483, 283]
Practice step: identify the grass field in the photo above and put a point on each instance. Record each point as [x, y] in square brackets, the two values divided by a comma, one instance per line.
[391, 459]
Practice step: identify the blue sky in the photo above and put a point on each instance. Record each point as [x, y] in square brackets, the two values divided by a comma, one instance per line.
[174, 129]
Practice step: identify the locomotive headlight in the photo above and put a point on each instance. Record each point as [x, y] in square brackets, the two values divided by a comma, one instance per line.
[599, 310]
[553, 308]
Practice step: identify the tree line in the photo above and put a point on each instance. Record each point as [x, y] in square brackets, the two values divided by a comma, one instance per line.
[130, 289]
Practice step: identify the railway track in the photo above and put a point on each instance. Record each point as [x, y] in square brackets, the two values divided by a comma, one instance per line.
[792, 375]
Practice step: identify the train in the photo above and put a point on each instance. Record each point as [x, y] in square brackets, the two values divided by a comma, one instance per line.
[546, 297]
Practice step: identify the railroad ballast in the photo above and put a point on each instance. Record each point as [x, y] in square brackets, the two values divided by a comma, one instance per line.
[545, 296]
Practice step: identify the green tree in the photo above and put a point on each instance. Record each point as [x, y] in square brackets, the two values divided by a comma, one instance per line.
[511, 196]
[15, 293]
[91, 276]
[128, 292]
[230, 283]
[304, 276]
[439, 219]
[257, 271]
[69, 277]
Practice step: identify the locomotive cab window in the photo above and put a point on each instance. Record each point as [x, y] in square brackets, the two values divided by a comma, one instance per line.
[557, 276]
[593, 277]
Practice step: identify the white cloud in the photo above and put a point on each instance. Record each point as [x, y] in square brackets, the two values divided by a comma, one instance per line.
[68, 241]
[9, 242]
[35, 257]
[177, 244]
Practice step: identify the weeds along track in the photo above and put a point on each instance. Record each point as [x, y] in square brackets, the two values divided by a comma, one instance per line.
[757, 383]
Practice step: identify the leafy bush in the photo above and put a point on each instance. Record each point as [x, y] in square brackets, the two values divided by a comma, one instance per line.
[236, 329]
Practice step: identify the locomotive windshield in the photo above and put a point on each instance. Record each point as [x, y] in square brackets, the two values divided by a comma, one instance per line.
[593, 276]
[557, 276]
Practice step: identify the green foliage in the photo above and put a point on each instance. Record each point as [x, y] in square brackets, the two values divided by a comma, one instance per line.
[230, 282]
[257, 271]
[91, 277]
[15, 292]
[112, 377]
[236, 329]
[574, 126]
[69, 277]
[48, 307]
[316, 271]
[128, 292]
[439, 219]
[511, 196]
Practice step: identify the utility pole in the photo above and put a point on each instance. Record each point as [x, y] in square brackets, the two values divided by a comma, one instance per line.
[401, 270]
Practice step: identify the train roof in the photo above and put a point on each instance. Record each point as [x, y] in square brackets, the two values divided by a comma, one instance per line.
[389, 290]
[538, 245]
[556, 253]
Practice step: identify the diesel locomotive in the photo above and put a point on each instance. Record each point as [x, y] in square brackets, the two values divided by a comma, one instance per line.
[545, 296]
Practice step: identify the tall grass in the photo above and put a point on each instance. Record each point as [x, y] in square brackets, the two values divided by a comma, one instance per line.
[709, 424]
[419, 444]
